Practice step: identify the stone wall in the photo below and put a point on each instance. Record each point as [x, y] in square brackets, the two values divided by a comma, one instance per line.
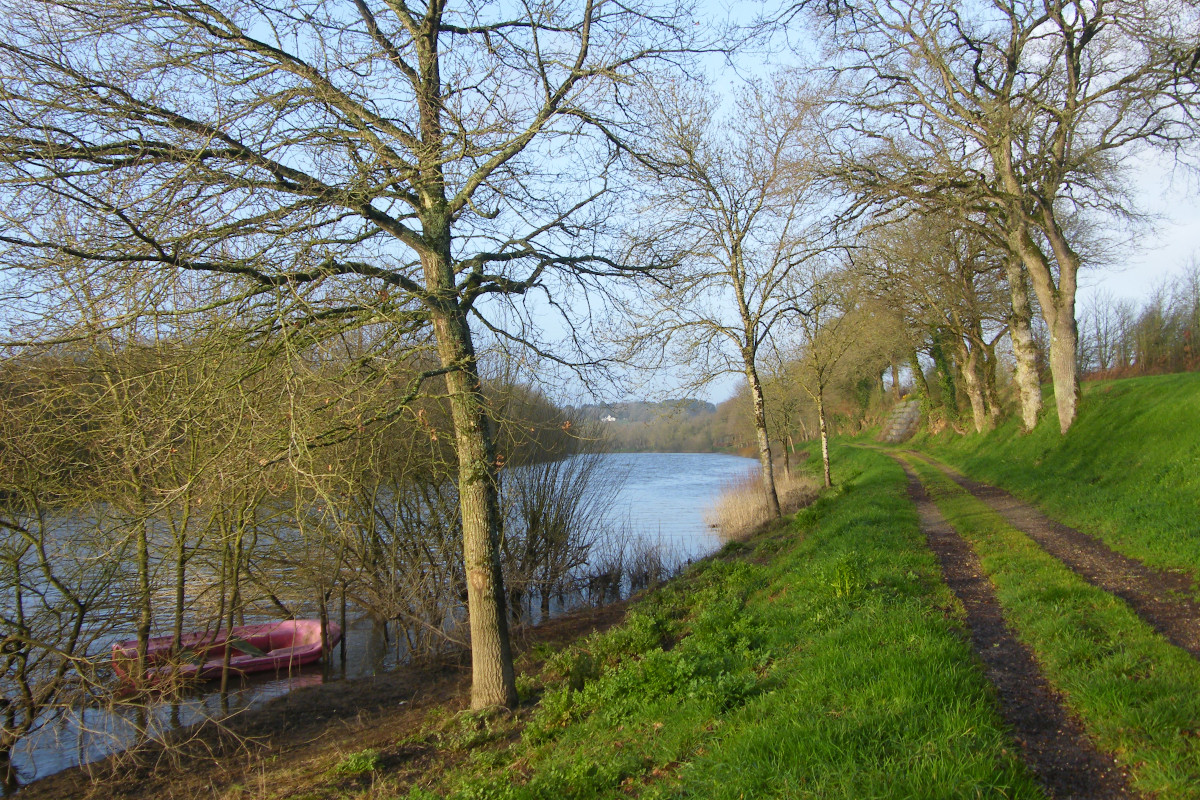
[902, 422]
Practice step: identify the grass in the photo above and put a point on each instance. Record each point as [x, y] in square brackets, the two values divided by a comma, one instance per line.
[1137, 695]
[358, 763]
[1126, 471]
[824, 657]
[820, 659]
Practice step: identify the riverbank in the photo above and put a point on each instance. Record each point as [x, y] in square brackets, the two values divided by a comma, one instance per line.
[821, 656]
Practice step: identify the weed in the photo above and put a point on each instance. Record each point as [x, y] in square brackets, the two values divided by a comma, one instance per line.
[742, 507]
[527, 686]
[358, 763]
[542, 651]
[471, 729]
[845, 576]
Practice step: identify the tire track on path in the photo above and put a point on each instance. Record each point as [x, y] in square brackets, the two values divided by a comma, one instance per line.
[1054, 743]
[1164, 600]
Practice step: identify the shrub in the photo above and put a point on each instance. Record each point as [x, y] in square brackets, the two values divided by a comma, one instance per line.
[358, 763]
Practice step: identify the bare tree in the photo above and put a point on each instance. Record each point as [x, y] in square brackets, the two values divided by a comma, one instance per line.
[737, 204]
[60, 585]
[1026, 111]
[827, 333]
[344, 163]
[948, 282]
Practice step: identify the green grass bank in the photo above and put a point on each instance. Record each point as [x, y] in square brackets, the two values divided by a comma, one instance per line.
[1128, 470]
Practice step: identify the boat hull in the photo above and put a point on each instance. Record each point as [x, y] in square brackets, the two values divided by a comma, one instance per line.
[273, 646]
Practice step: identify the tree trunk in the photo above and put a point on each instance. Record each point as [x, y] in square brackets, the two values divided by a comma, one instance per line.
[8, 774]
[1020, 326]
[1056, 299]
[920, 385]
[945, 373]
[1064, 330]
[145, 596]
[973, 384]
[764, 442]
[1064, 367]
[180, 588]
[492, 678]
[824, 437]
[234, 551]
[1058, 310]
[990, 394]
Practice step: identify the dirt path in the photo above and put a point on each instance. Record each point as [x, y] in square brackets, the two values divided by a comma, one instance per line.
[1054, 744]
[1164, 600]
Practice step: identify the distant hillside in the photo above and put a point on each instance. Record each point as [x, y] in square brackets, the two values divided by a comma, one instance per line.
[684, 425]
[644, 411]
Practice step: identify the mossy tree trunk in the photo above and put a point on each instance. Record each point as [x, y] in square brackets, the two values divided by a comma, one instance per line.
[493, 682]
[766, 466]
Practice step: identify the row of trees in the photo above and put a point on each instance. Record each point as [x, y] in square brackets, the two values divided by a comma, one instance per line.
[1117, 337]
[934, 326]
[1019, 121]
[983, 146]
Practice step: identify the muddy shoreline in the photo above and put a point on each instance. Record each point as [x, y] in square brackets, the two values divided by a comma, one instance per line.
[299, 728]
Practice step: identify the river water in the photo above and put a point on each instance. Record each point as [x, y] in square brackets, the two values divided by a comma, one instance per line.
[665, 496]
[658, 499]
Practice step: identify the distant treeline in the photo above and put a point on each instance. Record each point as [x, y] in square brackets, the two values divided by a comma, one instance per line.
[672, 426]
[1118, 338]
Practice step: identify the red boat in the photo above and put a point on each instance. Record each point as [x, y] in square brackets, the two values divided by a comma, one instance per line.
[275, 646]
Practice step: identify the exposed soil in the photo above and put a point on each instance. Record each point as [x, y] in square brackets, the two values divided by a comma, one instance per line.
[1053, 742]
[289, 738]
[1165, 600]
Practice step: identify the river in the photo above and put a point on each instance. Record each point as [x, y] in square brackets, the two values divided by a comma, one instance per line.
[660, 499]
[665, 495]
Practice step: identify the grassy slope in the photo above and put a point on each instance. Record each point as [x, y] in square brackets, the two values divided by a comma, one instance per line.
[1137, 695]
[1128, 471]
[820, 661]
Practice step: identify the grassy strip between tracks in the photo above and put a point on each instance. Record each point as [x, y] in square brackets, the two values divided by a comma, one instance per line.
[821, 659]
[1137, 695]
[1125, 471]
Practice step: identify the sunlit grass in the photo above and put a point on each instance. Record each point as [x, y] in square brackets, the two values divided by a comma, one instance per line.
[1126, 471]
[817, 659]
[1137, 695]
